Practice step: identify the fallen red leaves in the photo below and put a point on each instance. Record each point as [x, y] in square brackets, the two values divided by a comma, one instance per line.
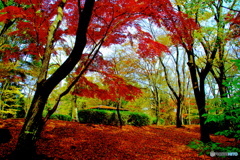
[74, 141]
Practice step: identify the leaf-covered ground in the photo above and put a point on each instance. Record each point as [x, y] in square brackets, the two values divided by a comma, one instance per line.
[64, 140]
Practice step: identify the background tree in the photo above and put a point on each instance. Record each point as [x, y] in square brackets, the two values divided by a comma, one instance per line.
[11, 98]
[210, 39]
[178, 64]
[181, 81]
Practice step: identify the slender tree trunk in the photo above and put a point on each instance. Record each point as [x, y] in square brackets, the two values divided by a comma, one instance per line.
[189, 113]
[220, 79]
[157, 101]
[119, 114]
[75, 109]
[178, 96]
[178, 118]
[157, 115]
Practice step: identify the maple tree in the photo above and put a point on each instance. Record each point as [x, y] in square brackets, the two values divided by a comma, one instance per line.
[126, 65]
[144, 71]
[114, 87]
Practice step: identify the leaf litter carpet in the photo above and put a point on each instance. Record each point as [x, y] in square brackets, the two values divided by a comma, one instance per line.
[62, 140]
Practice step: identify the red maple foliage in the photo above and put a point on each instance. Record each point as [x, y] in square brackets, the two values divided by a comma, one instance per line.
[109, 24]
[234, 26]
[151, 48]
[116, 88]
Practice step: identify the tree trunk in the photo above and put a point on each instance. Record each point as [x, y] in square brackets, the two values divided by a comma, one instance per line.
[157, 115]
[204, 131]
[199, 93]
[75, 109]
[220, 80]
[189, 113]
[157, 101]
[119, 114]
[178, 114]
[30, 133]
[178, 96]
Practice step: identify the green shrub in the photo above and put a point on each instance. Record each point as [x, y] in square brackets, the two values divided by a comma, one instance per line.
[114, 118]
[61, 117]
[111, 117]
[94, 116]
[229, 117]
[138, 119]
[125, 117]
[101, 117]
[154, 121]
[84, 116]
[214, 127]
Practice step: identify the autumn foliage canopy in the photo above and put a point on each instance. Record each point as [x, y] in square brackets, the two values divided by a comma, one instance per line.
[110, 24]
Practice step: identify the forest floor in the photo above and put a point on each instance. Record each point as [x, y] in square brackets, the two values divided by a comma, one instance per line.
[62, 140]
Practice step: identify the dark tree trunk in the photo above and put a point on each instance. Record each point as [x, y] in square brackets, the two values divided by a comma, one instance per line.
[156, 102]
[220, 80]
[178, 114]
[199, 93]
[34, 123]
[204, 131]
[32, 128]
[119, 117]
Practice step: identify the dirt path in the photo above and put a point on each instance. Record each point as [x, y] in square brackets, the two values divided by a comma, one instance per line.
[63, 140]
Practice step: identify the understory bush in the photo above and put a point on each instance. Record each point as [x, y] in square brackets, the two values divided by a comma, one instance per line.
[61, 117]
[161, 121]
[228, 115]
[138, 119]
[111, 117]
[93, 116]
[214, 127]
